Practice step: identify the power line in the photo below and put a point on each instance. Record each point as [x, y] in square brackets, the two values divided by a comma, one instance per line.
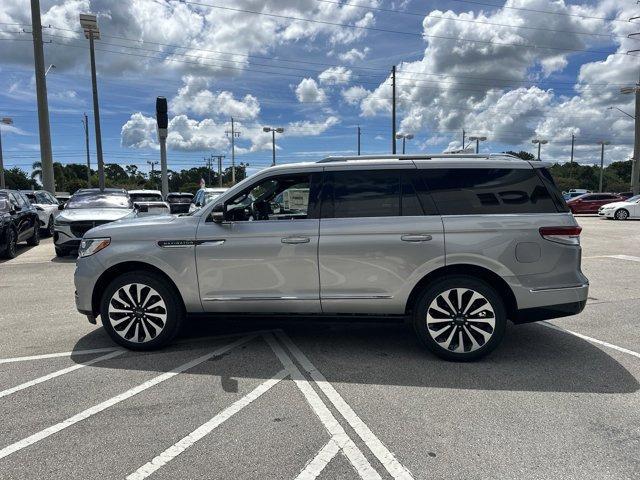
[457, 19]
[399, 32]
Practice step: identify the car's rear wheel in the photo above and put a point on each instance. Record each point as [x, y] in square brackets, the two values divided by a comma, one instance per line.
[621, 214]
[141, 311]
[460, 318]
[10, 250]
[34, 239]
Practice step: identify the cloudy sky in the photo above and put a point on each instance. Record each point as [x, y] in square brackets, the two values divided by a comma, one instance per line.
[511, 71]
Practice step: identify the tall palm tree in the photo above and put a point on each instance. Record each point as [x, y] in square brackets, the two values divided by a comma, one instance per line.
[36, 171]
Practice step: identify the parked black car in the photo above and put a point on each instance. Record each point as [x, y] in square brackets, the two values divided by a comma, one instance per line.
[18, 222]
[179, 202]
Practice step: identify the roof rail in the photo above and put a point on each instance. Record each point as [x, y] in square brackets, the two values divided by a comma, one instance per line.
[349, 158]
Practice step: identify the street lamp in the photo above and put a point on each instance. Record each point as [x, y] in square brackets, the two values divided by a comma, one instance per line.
[89, 24]
[4, 121]
[477, 140]
[602, 143]
[49, 68]
[635, 165]
[539, 141]
[622, 111]
[273, 139]
[404, 137]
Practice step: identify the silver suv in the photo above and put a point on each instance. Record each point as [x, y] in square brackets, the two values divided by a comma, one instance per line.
[457, 244]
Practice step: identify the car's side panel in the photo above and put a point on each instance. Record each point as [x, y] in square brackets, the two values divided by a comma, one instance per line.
[367, 267]
[511, 246]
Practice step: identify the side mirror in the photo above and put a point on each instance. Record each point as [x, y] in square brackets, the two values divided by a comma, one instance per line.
[198, 204]
[218, 213]
[17, 208]
[61, 206]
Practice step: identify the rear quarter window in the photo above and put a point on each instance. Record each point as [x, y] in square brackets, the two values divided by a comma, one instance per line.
[477, 191]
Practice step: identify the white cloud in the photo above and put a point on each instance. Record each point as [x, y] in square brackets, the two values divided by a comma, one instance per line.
[139, 132]
[308, 91]
[354, 55]
[353, 95]
[335, 76]
[195, 97]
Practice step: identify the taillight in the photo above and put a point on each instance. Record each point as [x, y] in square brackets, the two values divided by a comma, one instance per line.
[565, 235]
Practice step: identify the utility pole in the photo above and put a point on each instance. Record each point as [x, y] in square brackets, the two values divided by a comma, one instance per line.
[464, 137]
[208, 163]
[153, 164]
[85, 122]
[219, 158]
[162, 121]
[358, 140]
[234, 135]
[46, 158]
[393, 109]
[635, 165]
[89, 24]
[573, 141]
[4, 121]
[602, 144]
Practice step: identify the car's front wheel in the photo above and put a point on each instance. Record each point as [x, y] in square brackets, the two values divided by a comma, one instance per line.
[460, 318]
[621, 214]
[141, 311]
[11, 249]
[34, 239]
[49, 229]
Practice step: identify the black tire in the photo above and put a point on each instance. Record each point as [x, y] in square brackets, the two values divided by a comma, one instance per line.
[121, 325]
[469, 326]
[10, 250]
[49, 229]
[621, 214]
[34, 239]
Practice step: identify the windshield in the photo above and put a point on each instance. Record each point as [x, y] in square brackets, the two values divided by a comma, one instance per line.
[179, 199]
[208, 196]
[145, 197]
[633, 199]
[98, 200]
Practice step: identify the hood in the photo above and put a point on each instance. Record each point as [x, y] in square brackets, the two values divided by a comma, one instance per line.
[86, 214]
[153, 227]
[616, 204]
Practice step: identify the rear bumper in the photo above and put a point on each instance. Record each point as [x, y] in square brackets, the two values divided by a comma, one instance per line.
[545, 313]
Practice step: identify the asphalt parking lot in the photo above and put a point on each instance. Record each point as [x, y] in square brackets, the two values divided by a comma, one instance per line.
[277, 398]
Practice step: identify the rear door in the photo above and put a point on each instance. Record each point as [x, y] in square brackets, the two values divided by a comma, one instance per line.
[376, 239]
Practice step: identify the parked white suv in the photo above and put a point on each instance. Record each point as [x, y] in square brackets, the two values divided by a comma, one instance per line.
[47, 207]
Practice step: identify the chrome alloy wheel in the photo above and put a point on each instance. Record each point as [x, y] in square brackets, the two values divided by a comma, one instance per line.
[461, 320]
[137, 312]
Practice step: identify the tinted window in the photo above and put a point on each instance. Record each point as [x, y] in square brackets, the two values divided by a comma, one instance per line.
[463, 191]
[179, 199]
[145, 197]
[381, 193]
[98, 200]
[22, 200]
[31, 197]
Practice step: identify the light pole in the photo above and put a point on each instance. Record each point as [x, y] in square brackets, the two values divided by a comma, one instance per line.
[49, 68]
[404, 137]
[635, 165]
[477, 140]
[234, 134]
[89, 24]
[85, 122]
[622, 111]
[539, 141]
[273, 139]
[162, 121]
[4, 121]
[602, 143]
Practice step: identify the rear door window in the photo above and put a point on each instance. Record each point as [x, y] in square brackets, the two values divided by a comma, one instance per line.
[377, 193]
[475, 191]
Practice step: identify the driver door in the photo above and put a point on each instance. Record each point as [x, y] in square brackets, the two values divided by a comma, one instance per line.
[264, 256]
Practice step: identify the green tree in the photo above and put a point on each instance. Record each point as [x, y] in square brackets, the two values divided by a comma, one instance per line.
[522, 154]
[17, 179]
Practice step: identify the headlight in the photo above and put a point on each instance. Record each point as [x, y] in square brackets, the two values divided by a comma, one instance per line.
[89, 246]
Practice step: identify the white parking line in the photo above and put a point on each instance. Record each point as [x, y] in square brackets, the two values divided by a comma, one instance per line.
[59, 373]
[375, 445]
[206, 428]
[630, 258]
[54, 355]
[338, 435]
[321, 460]
[592, 340]
[36, 437]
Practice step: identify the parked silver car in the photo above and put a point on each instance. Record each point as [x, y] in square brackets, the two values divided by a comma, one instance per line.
[86, 209]
[149, 202]
[47, 207]
[457, 243]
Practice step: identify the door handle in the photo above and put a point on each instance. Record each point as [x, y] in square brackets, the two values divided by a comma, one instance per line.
[415, 238]
[295, 240]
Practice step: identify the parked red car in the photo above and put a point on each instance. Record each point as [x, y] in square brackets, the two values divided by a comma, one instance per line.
[591, 202]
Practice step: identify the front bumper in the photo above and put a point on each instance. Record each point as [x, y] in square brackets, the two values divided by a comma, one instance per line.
[85, 277]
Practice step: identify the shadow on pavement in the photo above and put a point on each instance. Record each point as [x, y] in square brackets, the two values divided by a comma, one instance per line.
[531, 358]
